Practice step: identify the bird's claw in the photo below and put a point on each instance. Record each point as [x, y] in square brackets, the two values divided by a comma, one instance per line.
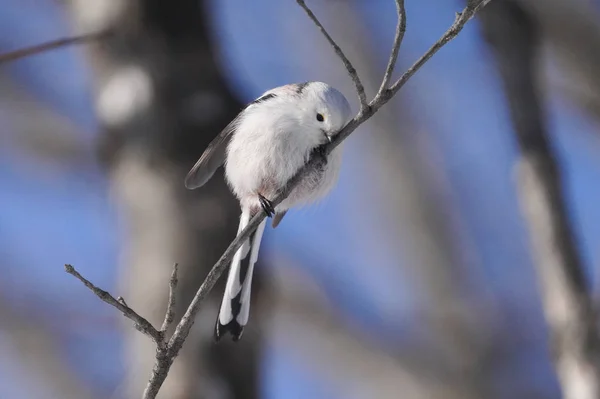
[266, 205]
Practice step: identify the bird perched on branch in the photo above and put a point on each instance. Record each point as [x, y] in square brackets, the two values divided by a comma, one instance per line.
[262, 149]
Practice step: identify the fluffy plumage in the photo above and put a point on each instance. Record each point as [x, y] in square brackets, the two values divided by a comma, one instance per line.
[262, 148]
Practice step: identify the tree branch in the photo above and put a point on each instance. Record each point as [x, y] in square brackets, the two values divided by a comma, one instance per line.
[166, 355]
[473, 7]
[566, 299]
[400, 30]
[170, 314]
[360, 89]
[140, 323]
[52, 45]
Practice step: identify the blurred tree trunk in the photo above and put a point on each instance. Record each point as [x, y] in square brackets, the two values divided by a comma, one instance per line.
[571, 28]
[161, 98]
[514, 36]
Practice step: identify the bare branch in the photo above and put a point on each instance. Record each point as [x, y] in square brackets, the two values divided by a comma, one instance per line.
[473, 7]
[167, 352]
[141, 324]
[170, 314]
[52, 45]
[400, 29]
[360, 89]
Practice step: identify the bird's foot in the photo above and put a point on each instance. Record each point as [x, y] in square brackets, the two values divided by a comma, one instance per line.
[266, 205]
[320, 153]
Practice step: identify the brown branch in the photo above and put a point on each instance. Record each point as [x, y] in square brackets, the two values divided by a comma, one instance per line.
[360, 89]
[140, 323]
[566, 299]
[473, 7]
[166, 355]
[52, 45]
[399, 36]
[170, 313]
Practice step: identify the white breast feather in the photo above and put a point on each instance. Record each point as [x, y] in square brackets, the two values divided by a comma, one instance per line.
[267, 151]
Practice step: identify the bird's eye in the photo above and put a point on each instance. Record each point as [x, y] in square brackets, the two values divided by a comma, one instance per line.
[320, 117]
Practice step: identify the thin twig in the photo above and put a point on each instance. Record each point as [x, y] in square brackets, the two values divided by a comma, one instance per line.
[141, 324]
[473, 7]
[399, 36]
[52, 45]
[166, 353]
[360, 89]
[170, 314]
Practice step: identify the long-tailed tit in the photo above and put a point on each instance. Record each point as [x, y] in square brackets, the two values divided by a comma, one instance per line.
[263, 148]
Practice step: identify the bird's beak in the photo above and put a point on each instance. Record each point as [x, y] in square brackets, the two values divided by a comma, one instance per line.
[328, 137]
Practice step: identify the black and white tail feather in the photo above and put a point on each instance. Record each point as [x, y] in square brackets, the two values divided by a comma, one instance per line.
[235, 307]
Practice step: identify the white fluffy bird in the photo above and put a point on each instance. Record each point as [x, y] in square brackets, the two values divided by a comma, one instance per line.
[263, 148]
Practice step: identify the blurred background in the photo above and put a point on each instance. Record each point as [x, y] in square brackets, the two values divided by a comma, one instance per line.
[413, 279]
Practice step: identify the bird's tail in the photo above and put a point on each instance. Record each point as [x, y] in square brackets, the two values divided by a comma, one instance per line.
[235, 307]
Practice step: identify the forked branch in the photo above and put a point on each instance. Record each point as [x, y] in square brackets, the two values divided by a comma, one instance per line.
[360, 89]
[168, 350]
[400, 30]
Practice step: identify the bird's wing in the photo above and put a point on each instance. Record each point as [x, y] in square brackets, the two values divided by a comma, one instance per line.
[212, 158]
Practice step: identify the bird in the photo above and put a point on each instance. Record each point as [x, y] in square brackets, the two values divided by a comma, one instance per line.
[262, 148]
